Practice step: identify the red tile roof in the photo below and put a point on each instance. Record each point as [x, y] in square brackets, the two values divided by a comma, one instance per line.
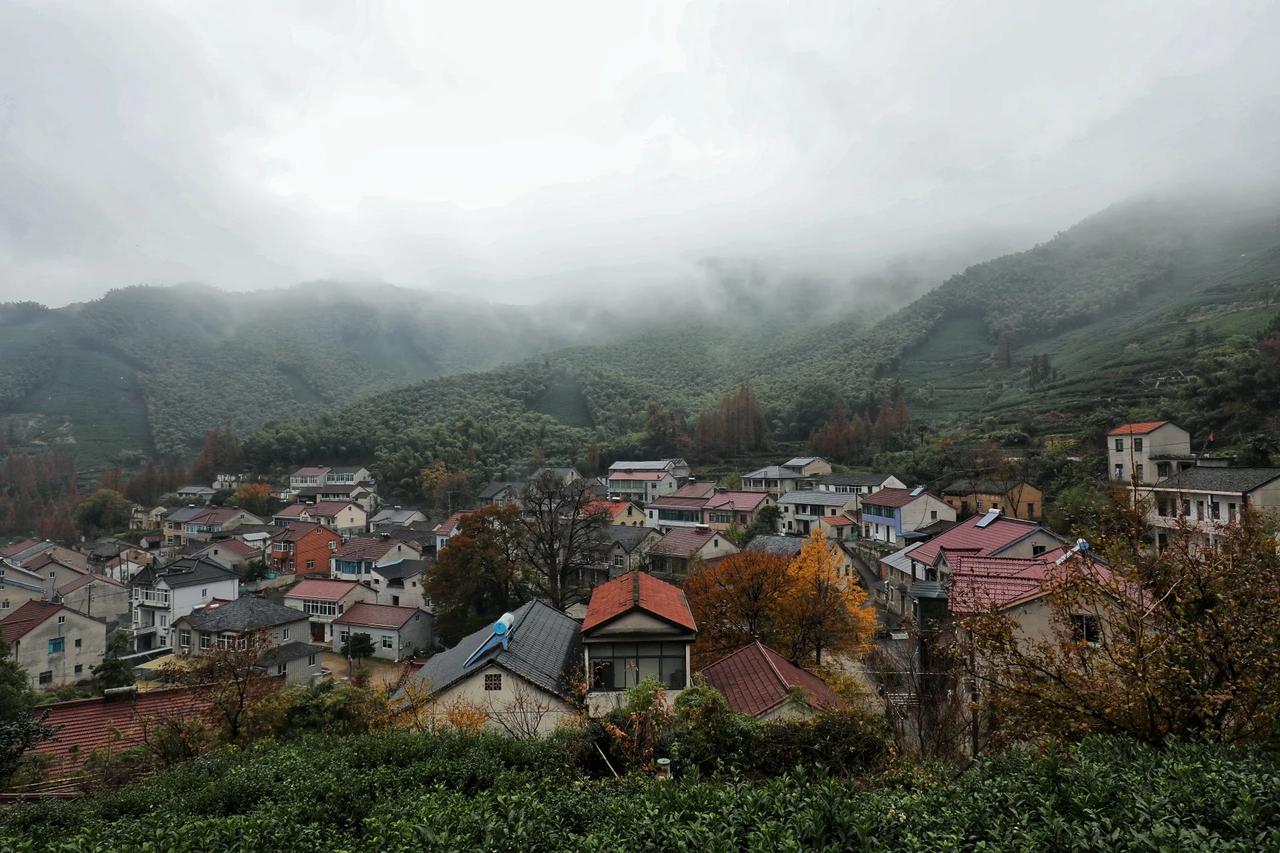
[310, 472]
[298, 530]
[322, 590]
[321, 509]
[18, 547]
[837, 520]
[242, 550]
[895, 497]
[377, 615]
[695, 490]
[673, 502]
[638, 475]
[450, 524]
[638, 591]
[684, 542]
[613, 508]
[26, 619]
[746, 501]
[756, 679]
[367, 548]
[978, 541]
[1139, 428]
[86, 724]
[990, 584]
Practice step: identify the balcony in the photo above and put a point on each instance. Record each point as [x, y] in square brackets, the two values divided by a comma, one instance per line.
[151, 598]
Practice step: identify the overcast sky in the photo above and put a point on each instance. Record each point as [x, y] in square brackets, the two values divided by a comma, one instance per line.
[521, 150]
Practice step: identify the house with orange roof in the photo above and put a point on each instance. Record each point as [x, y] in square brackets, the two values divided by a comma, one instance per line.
[1147, 451]
[54, 644]
[895, 516]
[636, 626]
[620, 512]
[345, 517]
[447, 529]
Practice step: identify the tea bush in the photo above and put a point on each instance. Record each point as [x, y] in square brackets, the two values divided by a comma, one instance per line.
[398, 791]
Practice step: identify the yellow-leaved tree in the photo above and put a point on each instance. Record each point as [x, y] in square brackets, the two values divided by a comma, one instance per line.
[825, 613]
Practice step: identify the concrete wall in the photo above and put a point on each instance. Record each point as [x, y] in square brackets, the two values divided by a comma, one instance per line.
[32, 650]
[518, 707]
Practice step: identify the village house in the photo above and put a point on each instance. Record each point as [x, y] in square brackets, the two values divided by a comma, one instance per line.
[562, 474]
[726, 509]
[620, 512]
[673, 511]
[358, 493]
[625, 549]
[519, 671]
[228, 625]
[303, 547]
[641, 486]
[19, 585]
[232, 554]
[793, 475]
[160, 596]
[1149, 451]
[1204, 498]
[856, 484]
[308, 476]
[1016, 499]
[98, 596]
[127, 564]
[54, 568]
[447, 529]
[54, 644]
[346, 518]
[759, 682]
[325, 600]
[146, 519]
[185, 525]
[789, 547]
[894, 515]
[801, 511]
[195, 494]
[397, 632]
[501, 493]
[678, 552]
[677, 468]
[401, 584]
[356, 559]
[636, 626]
[990, 535]
[396, 517]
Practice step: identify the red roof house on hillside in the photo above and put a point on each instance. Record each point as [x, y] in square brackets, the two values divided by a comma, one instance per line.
[636, 626]
[758, 681]
[1139, 428]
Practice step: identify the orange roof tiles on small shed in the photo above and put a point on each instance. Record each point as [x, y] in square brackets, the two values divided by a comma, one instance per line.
[638, 591]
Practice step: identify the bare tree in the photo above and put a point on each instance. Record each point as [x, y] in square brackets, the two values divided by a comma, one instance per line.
[924, 690]
[562, 536]
[523, 715]
[231, 675]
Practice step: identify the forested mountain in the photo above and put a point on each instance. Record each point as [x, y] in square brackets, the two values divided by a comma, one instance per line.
[145, 371]
[1108, 319]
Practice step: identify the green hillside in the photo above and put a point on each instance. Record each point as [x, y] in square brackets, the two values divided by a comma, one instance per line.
[145, 371]
[1120, 303]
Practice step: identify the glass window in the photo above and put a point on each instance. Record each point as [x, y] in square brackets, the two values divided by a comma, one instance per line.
[282, 668]
[311, 660]
[1119, 444]
[79, 668]
[617, 666]
[46, 677]
[56, 645]
[1084, 628]
[388, 641]
[204, 642]
[78, 642]
[493, 681]
[1137, 444]
[184, 639]
[284, 634]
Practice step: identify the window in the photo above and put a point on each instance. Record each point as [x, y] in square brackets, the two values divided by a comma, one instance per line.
[388, 641]
[617, 666]
[1084, 628]
[1037, 550]
[204, 642]
[618, 560]
[1118, 473]
[1162, 469]
[1231, 512]
[1031, 510]
[62, 620]
[4, 605]
[1138, 469]
[311, 564]
[933, 515]
[1119, 444]
[77, 642]
[1186, 507]
[343, 635]
[79, 668]
[395, 601]
[284, 634]
[311, 660]
[320, 608]
[184, 639]
[1137, 444]
[282, 668]
[46, 677]
[1216, 508]
[204, 593]
[493, 681]
[164, 620]
[1199, 509]
[224, 641]
[56, 645]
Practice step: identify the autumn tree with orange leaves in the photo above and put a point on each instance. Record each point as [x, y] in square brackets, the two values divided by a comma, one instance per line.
[801, 608]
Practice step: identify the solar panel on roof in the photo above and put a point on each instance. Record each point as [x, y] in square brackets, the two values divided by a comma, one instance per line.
[915, 493]
[992, 515]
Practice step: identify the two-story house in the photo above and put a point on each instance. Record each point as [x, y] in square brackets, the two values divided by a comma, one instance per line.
[325, 600]
[892, 515]
[357, 558]
[636, 626]
[313, 475]
[283, 633]
[641, 486]
[856, 484]
[98, 596]
[501, 493]
[625, 549]
[159, 596]
[1014, 498]
[801, 510]
[402, 583]
[677, 468]
[793, 475]
[1147, 452]
[348, 519]
[1206, 498]
[619, 512]
[396, 517]
[682, 549]
[726, 509]
[303, 547]
[397, 632]
[54, 644]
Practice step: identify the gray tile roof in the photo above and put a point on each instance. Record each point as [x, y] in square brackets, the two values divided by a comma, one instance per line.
[812, 496]
[188, 571]
[395, 516]
[1206, 479]
[291, 650]
[770, 472]
[248, 613]
[627, 537]
[497, 487]
[784, 546]
[900, 560]
[856, 479]
[544, 648]
[402, 569]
